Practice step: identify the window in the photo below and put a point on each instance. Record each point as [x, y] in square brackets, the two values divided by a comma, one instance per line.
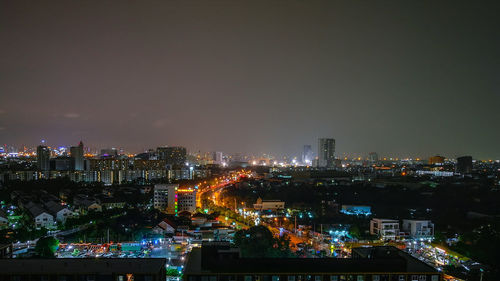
[360, 278]
[402, 278]
[317, 278]
[376, 278]
[334, 278]
[435, 278]
[422, 278]
[414, 278]
[248, 278]
[275, 278]
[290, 278]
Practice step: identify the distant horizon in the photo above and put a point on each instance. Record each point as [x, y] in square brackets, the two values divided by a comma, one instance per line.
[350, 155]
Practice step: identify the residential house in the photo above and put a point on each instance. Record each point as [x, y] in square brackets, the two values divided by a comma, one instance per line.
[40, 216]
[57, 210]
[165, 227]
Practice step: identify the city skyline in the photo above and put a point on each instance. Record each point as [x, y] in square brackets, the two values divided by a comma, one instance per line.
[409, 80]
[298, 154]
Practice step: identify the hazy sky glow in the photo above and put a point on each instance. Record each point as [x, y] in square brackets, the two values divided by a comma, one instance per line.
[397, 77]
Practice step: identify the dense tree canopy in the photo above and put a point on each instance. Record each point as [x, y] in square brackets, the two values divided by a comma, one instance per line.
[259, 242]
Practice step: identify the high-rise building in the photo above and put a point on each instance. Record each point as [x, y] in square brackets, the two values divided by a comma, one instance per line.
[373, 157]
[43, 158]
[61, 163]
[307, 155]
[77, 155]
[326, 153]
[109, 152]
[173, 155]
[464, 165]
[165, 198]
[217, 157]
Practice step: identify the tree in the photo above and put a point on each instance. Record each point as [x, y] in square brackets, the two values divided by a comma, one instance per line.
[46, 247]
[259, 242]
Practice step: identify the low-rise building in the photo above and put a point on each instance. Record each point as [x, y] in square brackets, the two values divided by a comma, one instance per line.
[218, 261]
[58, 211]
[418, 229]
[107, 202]
[165, 227]
[269, 205]
[40, 216]
[83, 269]
[386, 229]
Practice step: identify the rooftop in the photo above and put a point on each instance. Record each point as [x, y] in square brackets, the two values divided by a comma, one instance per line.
[95, 266]
[222, 260]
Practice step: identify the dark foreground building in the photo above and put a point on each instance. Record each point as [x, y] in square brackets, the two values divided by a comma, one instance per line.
[219, 262]
[82, 269]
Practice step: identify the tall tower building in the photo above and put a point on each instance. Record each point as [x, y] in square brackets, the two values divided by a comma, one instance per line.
[464, 165]
[326, 153]
[373, 156]
[77, 155]
[43, 158]
[307, 155]
[218, 157]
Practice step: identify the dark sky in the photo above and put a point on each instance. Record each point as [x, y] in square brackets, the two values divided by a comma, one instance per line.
[403, 78]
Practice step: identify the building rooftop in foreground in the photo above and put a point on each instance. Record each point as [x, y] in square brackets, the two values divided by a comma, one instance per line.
[95, 267]
[366, 263]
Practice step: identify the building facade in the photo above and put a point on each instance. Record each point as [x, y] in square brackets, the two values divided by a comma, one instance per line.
[219, 262]
[386, 229]
[418, 229]
[326, 153]
[173, 155]
[43, 158]
[165, 198]
[78, 157]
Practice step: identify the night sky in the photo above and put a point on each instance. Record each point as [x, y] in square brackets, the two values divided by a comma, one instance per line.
[402, 78]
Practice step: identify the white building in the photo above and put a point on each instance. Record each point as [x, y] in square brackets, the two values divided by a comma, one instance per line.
[165, 198]
[268, 205]
[418, 228]
[165, 227]
[41, 217]
[386, 229]
[59, 212]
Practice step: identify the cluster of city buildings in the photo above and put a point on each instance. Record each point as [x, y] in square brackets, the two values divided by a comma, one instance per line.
[389, 229]
[110, 167]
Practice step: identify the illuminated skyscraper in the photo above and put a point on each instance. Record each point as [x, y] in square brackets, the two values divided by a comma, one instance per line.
[326, 153]
[43, 158]
[77, 155]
